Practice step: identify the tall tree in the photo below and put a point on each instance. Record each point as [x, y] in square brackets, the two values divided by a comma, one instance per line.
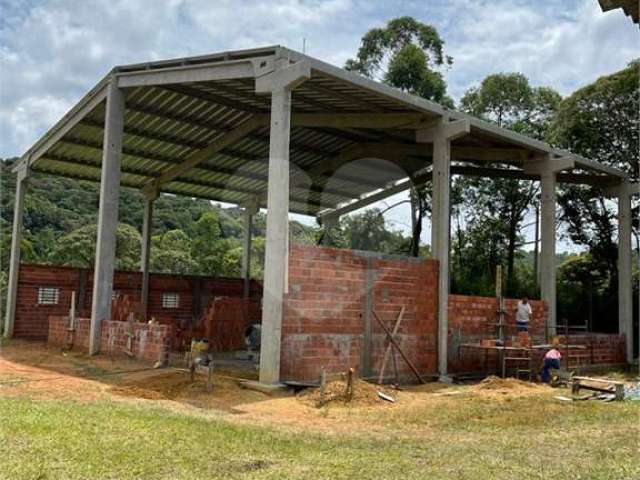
[508, 100]
[406, 54]
[600, 121]
[409, 55]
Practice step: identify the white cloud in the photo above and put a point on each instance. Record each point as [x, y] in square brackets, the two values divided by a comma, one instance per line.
[554, 43]
[52, 52]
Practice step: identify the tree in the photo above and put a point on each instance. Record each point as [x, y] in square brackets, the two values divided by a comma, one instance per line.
[600, 121]
[171, 253]
[78, 248]
[409, 54]
[368, 231]
[508, 100]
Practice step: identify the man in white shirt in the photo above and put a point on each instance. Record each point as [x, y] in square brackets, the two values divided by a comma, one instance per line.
[523, 313]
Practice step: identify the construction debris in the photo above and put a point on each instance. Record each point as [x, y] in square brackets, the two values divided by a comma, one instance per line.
[386, 397]
[493, 385]
[337, 392]
[600, 385]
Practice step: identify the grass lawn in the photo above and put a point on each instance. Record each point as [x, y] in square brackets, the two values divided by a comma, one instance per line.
[456, 438]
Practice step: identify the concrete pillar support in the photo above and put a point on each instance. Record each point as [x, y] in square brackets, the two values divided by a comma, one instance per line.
[14, 260]
[624, 192]
[548, 247]
[108, 214]
[329, 224]
[625, 291]
[441, 136]
[250, 210]
[279, 84]
[548, 167]
[147, 231]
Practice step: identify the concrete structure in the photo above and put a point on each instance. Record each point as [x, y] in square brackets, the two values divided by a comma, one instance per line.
[224, 127]
[323, 326]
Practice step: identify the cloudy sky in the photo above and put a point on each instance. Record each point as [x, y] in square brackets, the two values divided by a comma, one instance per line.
[52, 52]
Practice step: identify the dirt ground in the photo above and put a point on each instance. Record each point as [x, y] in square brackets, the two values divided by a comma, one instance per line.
[33, 370]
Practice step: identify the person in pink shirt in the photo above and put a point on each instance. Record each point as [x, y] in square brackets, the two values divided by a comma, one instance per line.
[551, 360]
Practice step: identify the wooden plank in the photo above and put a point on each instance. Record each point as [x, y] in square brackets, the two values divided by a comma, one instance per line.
[387, 351]
[395, 344]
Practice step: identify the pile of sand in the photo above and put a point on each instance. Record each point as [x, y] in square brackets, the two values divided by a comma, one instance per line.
[133, 391]
[364, 394]
[507, 386]
[177, 386]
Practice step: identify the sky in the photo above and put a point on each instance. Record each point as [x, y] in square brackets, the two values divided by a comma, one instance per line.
[52, 52]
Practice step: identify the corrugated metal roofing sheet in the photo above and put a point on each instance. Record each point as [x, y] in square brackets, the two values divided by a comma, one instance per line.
[165, 124]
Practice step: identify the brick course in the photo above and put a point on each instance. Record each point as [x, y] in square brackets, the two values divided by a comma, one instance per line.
[473, 318]
[323, 324]
[195, 295]
[150, 342]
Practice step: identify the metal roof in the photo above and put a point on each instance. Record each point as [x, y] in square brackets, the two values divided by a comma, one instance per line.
[178, 107]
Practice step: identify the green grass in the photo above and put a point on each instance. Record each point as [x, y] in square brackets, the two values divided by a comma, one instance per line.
[470, 439]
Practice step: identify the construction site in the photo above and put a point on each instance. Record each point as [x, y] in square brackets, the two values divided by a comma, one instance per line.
[271, 128]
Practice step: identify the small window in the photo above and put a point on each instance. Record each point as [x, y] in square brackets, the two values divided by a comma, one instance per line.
[48, 295]
[170, 300]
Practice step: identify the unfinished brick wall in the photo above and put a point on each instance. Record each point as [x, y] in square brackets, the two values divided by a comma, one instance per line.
[149, 342]
[324, 320]
[473, 318]
[195, 295]
[31, 318]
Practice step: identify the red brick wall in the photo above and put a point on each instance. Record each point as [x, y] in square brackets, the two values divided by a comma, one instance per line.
[195, 295]
[150, 342]
[31, 318]
[471, 319]
[323, 324]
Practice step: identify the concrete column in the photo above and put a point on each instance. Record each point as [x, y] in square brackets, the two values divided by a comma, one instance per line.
[440, 240]
[329, 223]
[625, 290]
[548, 247]
[246, 250]
[108, 214]
[441, 136]
[14, 260]
[277, 234]
[147, 231]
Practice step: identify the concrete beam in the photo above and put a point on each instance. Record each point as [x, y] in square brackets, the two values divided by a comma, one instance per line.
[16, 240]
[88, 103]
[280, 84]
[285, 75]
[187, 74]
[108, 214]
[359, 120]
[368, 199]
[545, 164]
[444, 129]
